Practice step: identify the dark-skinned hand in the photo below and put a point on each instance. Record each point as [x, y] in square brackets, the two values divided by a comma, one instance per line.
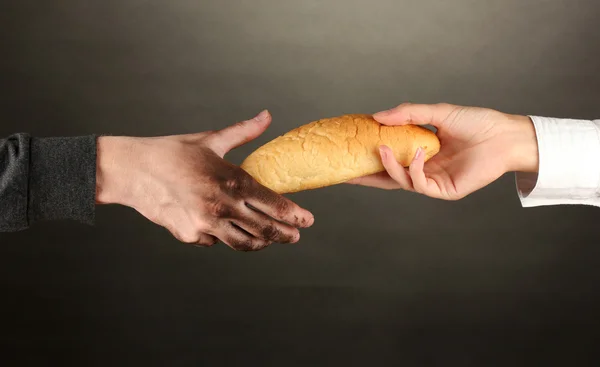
[182, 183]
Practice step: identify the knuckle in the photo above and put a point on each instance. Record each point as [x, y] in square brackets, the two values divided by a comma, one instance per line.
[242, 245]
[219, 209]
[448, 109]
[237, 183]
[212, 138]
[207, 136]
[233, 184]
[271, 233]
[208, 225]
[249, 245]
[282, 208]
[200, 225]
[239, 125]
[188, 238]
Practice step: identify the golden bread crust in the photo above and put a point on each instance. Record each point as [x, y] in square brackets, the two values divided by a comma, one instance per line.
[334, 150]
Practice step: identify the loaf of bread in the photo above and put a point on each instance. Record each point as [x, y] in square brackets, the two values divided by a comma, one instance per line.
[334, 150]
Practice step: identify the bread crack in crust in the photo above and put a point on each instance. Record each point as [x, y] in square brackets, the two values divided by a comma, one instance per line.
[334, 150]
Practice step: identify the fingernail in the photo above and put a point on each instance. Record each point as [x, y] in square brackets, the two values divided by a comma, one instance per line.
[382, 152]
[262, 116]
[307, 221]
[419, 153]
[296, 238]
[383, 113]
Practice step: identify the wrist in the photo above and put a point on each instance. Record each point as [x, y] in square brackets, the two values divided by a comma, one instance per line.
[521, 144]
[113, 173]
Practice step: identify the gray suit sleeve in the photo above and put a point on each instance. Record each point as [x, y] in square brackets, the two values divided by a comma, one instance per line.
[46, 179]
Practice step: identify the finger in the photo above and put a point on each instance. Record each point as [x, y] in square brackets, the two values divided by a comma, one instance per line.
[240, 240]
[394, 169]
[239, 134]
[421, 183]
[263, 227]
[278, 207]
[187, 237]
[206, 240]
[417, 114]
[381, 180]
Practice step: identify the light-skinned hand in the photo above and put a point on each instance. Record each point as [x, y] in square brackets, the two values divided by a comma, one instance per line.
[478, 145]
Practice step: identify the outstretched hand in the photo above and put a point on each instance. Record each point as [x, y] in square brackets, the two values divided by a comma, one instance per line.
[182, 183]
[478, 145]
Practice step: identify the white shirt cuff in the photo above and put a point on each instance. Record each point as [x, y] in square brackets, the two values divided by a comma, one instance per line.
[569, 164]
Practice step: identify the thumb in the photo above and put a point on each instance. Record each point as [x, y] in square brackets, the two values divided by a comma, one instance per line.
[417, 114]
[240, 133]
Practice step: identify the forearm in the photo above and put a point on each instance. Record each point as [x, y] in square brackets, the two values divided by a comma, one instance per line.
[46, 179]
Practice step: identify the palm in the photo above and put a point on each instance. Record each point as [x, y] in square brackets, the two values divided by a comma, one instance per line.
[468, 158]
[460, 168]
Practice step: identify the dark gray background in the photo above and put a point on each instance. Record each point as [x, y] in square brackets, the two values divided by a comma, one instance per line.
[382, 277]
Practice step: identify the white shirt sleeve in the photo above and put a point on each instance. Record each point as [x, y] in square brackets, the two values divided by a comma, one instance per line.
[569, 164]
